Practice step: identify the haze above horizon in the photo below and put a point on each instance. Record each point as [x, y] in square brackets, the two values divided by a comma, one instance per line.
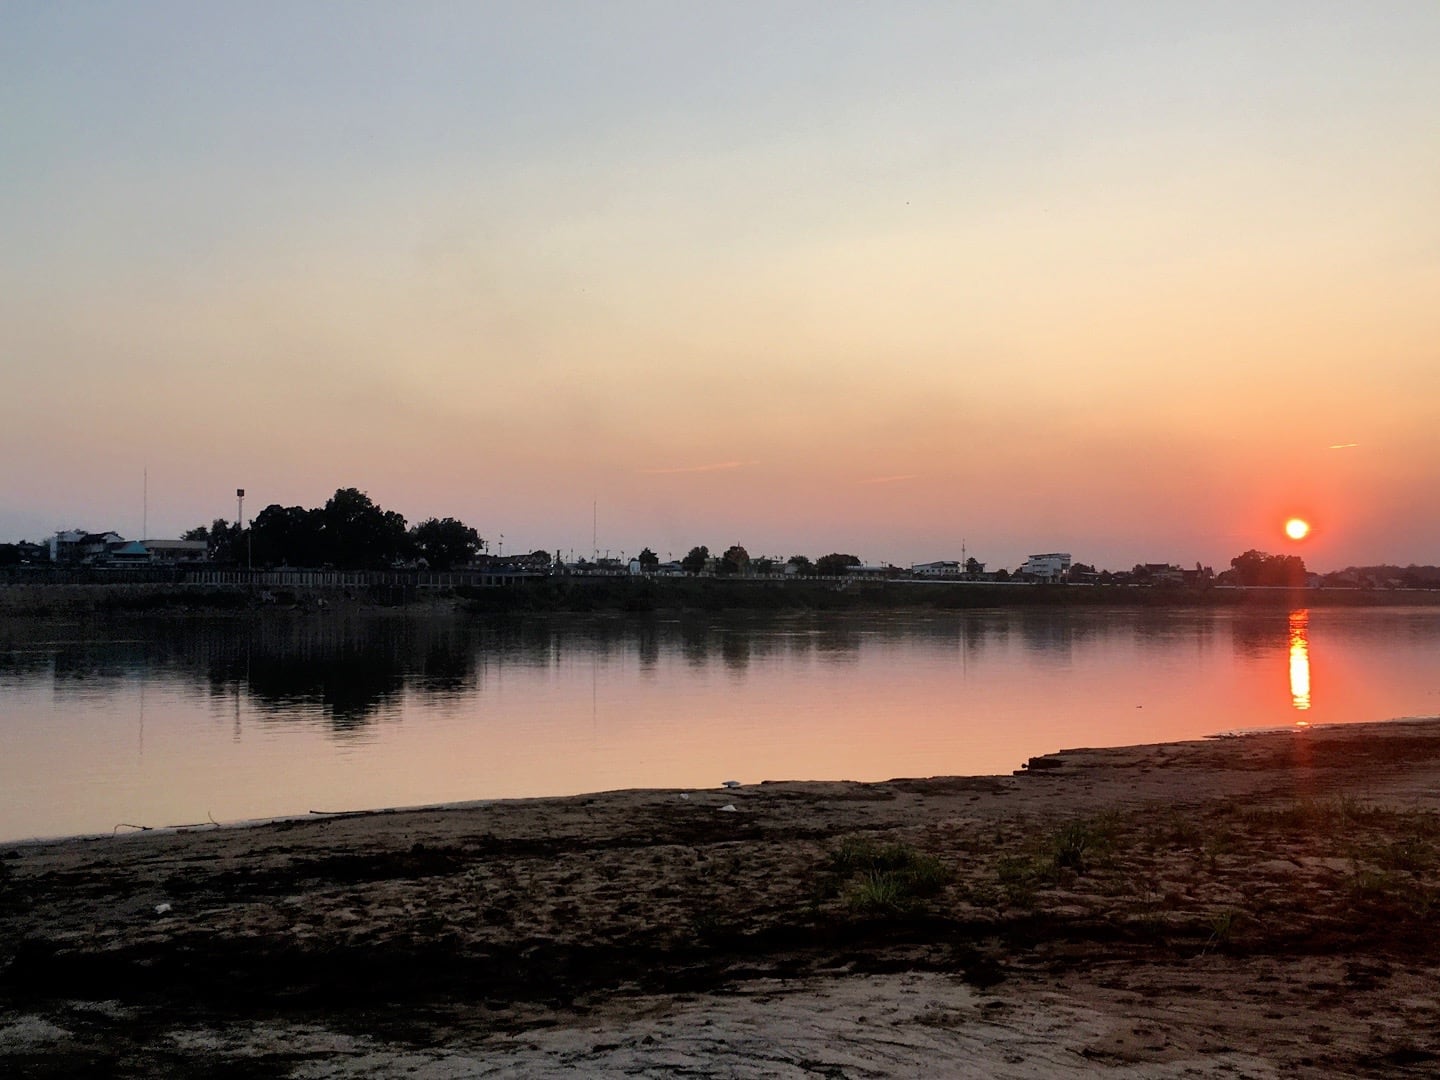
[1138, 281]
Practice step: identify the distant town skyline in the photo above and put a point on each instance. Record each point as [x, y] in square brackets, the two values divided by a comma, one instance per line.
[1139, 281]
[1039, 565]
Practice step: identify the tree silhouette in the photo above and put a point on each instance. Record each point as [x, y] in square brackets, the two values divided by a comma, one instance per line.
[288, 536]
[445, 542]
[736, 560]
[1261, 568]
[358, 534]
[695, 561]
[835, 564]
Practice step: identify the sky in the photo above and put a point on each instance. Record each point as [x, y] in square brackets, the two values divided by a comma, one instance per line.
[1137, 281]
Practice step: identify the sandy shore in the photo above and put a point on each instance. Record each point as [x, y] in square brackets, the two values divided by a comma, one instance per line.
[1248, 907]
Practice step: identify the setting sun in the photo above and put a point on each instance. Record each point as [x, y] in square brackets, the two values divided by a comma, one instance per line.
[1297, 529]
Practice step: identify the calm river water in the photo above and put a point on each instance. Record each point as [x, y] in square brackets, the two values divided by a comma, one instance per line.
[179, 722]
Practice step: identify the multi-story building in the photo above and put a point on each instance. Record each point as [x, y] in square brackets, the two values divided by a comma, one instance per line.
[1048, 567]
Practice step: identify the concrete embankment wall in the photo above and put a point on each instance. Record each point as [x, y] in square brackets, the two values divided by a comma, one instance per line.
[75, 601]
[250, 594]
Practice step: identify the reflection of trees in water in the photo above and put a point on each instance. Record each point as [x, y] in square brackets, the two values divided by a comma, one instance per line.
[448, 666]
[737, 642]
[647, 644]
[735, 650]
[351, 669]
[350, 685]
[348, 670]
[695, 643]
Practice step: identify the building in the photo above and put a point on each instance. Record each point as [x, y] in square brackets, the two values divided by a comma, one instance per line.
[79, 546]
[947, 568]
[65, 545]
[177, 551]
[133, 553]
[1161, 573]
[1051, 566]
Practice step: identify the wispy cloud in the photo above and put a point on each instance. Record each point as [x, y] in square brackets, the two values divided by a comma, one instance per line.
[1343, 445]
[889, 479]
[717, 466]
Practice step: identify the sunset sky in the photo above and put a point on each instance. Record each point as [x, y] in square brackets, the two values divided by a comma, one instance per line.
[1137, 281]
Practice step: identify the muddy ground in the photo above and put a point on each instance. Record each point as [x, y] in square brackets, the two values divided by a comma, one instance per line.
[1255, 906]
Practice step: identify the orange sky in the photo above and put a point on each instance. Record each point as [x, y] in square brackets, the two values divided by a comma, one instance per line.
[1110, 280]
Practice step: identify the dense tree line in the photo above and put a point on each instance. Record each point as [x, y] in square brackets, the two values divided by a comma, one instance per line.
[1386, 575]
[1261, 568]
[349, 532]
[737, 561]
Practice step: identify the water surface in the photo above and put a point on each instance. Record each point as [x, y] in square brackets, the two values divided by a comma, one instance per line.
[186, 721]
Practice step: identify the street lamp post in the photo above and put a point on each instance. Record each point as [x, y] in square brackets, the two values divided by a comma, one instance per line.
[240, 524]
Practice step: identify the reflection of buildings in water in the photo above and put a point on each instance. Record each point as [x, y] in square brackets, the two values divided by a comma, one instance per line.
[1300, 659]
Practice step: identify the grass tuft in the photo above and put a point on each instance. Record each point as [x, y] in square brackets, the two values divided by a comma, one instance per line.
[885, 878]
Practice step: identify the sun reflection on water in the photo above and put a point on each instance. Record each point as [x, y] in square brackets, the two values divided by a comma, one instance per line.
[1300, 659]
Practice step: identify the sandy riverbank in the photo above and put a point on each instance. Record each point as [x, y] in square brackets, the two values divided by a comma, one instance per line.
[1256, 906]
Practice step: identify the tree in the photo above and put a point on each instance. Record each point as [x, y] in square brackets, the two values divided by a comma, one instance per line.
[736, 560]
[802, 564]
[835, 564]
[1260, 568]
[445, 542]
[224, 538]
[695, 561]
[288, 536]
[9, 554]
[358, 534]
[648, 560]
[200, 532]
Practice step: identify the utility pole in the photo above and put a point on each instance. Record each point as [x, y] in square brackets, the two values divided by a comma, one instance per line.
[240, 524]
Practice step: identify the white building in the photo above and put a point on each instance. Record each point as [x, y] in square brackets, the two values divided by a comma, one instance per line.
[945, 568]
[1048, 567]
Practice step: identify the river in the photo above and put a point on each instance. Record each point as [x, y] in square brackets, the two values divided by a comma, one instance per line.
[180, 721]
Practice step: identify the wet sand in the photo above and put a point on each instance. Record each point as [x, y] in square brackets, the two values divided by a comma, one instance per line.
[1246, 907]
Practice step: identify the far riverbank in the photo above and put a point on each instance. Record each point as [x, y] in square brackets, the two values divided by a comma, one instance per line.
[653, 594]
